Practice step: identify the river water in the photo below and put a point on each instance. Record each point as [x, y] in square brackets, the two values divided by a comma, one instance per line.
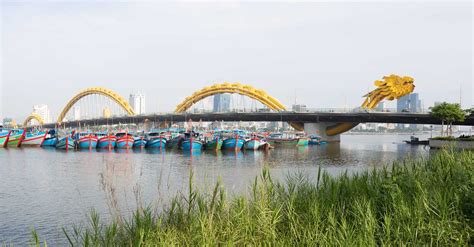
[47, 190]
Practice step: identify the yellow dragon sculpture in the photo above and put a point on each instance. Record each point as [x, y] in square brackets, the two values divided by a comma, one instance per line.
[389, 88]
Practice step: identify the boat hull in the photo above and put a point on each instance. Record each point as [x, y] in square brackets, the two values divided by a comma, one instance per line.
[215, 144]
[125, 142]
[50, 142]
[33, 139]
[233, 144]
[302, 142]
[191, 145]
[15, 140]
[3, 138]
[156, 143]
[65, 143]
[87, 142]
[139, 143]
[252, 144]
[106, 142]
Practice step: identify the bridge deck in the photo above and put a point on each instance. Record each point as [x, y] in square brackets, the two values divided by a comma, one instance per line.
[313, 117]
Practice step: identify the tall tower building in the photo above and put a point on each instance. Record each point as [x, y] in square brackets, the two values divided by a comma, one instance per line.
[137, 102]
[221, 103]
[43, 111]
[409, 103]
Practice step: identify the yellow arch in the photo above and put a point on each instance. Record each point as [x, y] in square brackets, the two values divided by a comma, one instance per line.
[101, 91]
[237, 88]
[35, 117]
[226, 87]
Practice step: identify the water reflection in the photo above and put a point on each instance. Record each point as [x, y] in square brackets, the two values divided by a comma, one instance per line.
[57, 188]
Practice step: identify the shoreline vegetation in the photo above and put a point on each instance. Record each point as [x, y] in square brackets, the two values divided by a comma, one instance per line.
[415, 202]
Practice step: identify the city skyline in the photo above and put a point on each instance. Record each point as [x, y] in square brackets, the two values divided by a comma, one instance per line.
[282, 49]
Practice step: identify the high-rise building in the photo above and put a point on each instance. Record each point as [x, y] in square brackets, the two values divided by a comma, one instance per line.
[43, 111]
[76, 110]
[137, 102]
[409, 103]
[221, 103]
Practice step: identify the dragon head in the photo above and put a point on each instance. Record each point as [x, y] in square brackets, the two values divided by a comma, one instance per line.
[390, 87]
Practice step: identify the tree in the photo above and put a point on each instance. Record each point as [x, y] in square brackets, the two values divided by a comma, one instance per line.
[448, 113]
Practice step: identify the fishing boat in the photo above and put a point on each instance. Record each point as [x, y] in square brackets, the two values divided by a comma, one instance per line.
[124, 140]
[139, 142]
[233, 143]
[15, 138]
[191, 144]
[86, 140]
[4, 135]
[106, 141]
[65, 143]
[302, 141]
[155, 140]
[253, 143]
[214, 144]
[316, 140]
[50, 140]
[287, 139]
[33, 139]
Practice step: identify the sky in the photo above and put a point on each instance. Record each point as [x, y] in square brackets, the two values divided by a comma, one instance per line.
[323, 54]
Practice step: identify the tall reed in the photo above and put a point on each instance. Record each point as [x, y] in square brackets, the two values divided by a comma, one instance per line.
[414, 202]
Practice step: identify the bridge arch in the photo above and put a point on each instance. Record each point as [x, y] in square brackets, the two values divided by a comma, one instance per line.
[226, 87]
[237, 88]
[33, 116]
[100, 91]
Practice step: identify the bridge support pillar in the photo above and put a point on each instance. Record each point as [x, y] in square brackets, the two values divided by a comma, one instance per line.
[319, 129]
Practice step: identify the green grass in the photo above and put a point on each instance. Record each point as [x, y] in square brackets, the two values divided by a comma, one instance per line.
[415, 202]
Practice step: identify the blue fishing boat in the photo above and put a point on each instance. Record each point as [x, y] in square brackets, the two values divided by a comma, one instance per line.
[155, 140]
[233, 143]
[253, 143]
[51, 139]
[124, 140]
[191, 144]
[86, 140]
[316, 140]
[65, 143]
[106, 140]
[139, 142]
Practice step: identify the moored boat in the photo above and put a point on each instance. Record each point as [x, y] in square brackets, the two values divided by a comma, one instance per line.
[233, 143]
[65, 143]
[124, 140]
[214, 144]
[253, 143]
[86, 140]
[155, 140]
[106, 141]
[15, 138]
[302, 141]
[191, 144]
[50, 140]
[139, 142]
[33, 139]
[4, 135]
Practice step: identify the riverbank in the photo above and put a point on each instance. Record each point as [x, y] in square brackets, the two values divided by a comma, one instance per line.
[416, 202]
